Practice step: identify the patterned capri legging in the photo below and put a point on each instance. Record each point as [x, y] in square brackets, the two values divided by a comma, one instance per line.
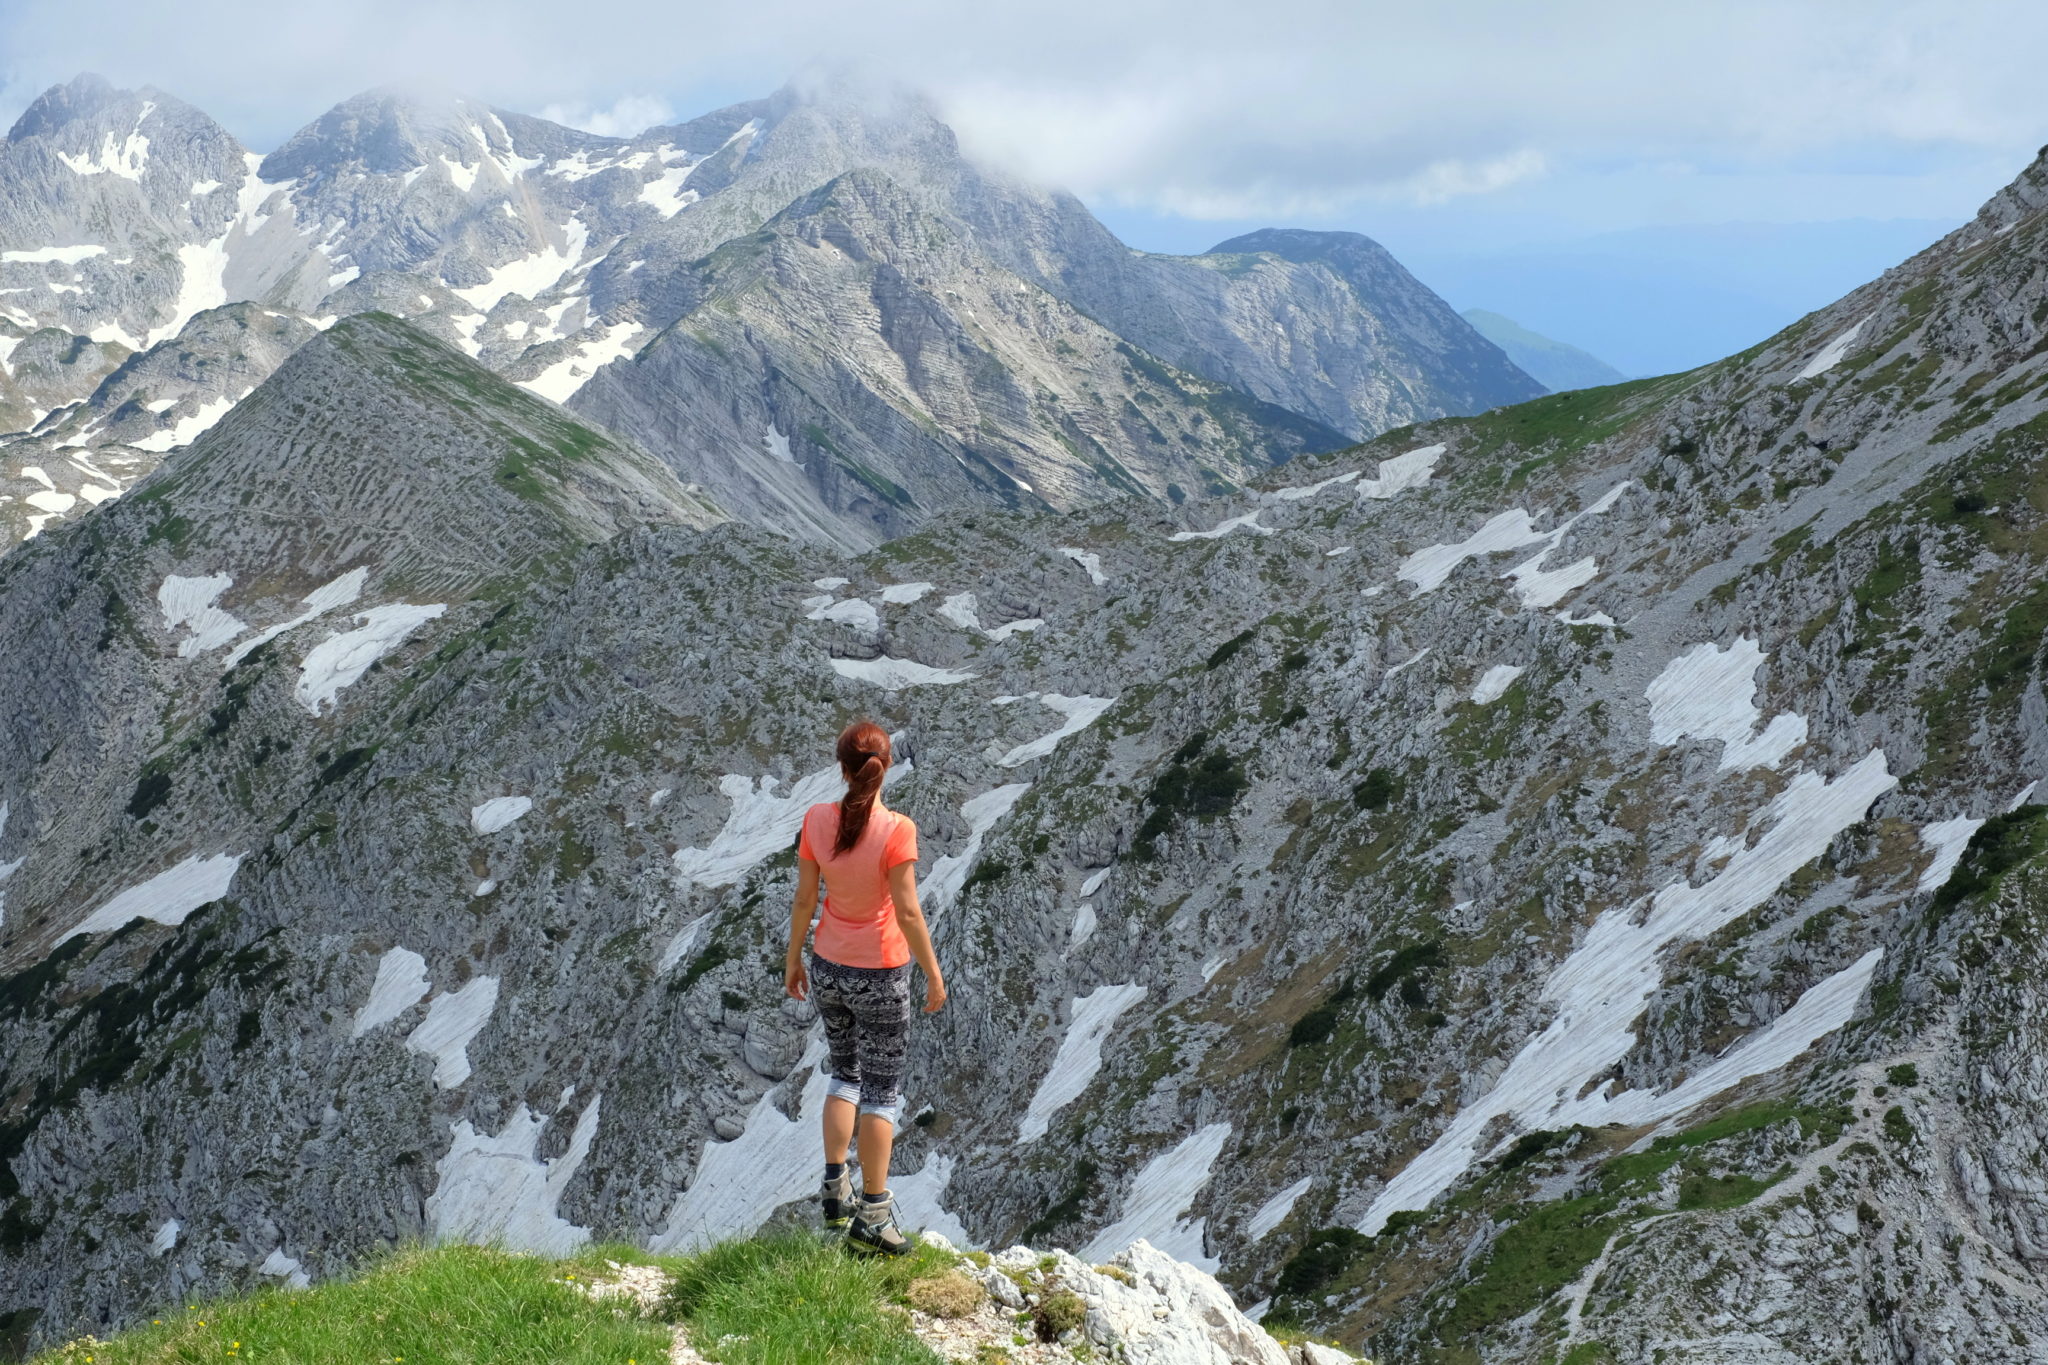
[866, 1011]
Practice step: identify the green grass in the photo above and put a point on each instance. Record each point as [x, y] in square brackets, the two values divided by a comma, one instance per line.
[1562, 424]
[448, 1306]
[778, 1300]
[770, 1300]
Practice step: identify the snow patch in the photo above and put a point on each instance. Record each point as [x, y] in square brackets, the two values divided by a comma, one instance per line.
[168, 897]
[1710, 693]
[559, 381]
[896, 674]
[401, 983]
[127, 158]
[529, 276]
[1084, 925]
[949, 873]
[1274, 1211]
[1248, 522]
[453, 1021]
[1405, 471]
[1513, 529]
[1494, 682]
[962, 610]
[498, 812]
[1309, 490]
[760, 824]
[1009, 628]
[1409, 662]
[495, 1191]
[1080, 712]
[1088, 561]
[684, 943]
[1948, 839]
[279, 1266]
[1162, 1192]
[1539, 588]
[1832, 353]
[66, 255]
[777, 445]
[1599, 991]
[1080, 1054]
[189, 428]
[7, 869]
[918, 1200]
[899, 594]
[341, 659]
[338, 592]
[738, 1184]
[166, 1237]
[851, 611]
[191, 602]
[665, 193]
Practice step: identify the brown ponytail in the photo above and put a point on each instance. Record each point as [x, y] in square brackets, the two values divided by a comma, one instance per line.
[863, 758]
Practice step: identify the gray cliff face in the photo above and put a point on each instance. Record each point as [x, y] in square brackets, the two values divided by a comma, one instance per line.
[855, 367]
[550, 255]
[1536, 885]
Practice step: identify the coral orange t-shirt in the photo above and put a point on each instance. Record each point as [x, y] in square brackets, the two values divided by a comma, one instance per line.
[858, 926]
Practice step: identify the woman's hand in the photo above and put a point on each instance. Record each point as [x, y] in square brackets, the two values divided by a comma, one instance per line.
[934, 995]
[796, 982]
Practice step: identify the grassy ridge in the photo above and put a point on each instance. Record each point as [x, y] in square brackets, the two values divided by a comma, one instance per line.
[774, 1300]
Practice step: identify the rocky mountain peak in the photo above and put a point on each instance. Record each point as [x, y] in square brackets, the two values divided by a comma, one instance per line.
[84, 96]
[80, 116]
[449, 472]
[1302, 245]
[394, 129]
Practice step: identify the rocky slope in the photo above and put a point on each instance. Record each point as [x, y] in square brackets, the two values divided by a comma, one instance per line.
[907, 363]
[1554, 883]
[551, 254]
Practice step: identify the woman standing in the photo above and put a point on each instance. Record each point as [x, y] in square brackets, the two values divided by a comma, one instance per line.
[860, 977]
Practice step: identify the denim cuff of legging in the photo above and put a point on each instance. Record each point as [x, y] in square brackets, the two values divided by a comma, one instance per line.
[892, 1111]
[850, 1092]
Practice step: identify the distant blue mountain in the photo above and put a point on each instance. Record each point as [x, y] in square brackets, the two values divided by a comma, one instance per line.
[1551, 363]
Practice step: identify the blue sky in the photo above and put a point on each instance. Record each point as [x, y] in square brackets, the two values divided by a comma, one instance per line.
[1654, 182]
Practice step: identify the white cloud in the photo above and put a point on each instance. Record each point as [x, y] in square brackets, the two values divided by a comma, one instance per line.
[627, 116]
[1450, 179]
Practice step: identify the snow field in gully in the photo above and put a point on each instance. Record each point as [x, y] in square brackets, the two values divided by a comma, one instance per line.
[1597, 993]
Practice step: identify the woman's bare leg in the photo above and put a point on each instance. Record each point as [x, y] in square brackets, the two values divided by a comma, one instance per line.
[877, 1139]
[839, 1116]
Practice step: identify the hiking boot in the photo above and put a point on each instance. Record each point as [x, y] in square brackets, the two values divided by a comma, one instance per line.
[874, 1231]
[838, 1200]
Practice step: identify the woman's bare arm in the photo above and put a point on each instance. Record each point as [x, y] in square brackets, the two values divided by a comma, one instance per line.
[910, 919]
[795, 980]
